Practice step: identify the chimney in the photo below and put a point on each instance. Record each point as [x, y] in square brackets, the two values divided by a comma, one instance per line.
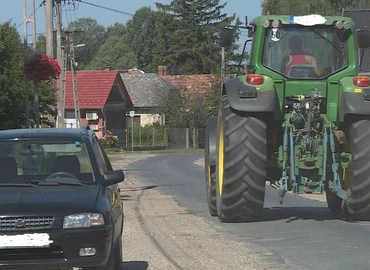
[160, 70]
[107, 68]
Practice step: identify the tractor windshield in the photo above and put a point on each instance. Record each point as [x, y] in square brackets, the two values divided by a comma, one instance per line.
[305, 52]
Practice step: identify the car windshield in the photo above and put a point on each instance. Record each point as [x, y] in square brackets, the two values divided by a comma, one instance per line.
[45, 161]
[305, 52]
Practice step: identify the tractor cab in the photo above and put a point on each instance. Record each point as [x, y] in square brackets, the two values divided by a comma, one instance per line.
[309, 47]
[301, 52]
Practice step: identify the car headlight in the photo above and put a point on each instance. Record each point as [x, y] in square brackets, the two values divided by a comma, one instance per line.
[84, 220]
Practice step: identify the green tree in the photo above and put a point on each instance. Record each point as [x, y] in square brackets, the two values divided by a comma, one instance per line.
[323, 7]
[298, 8]
[117, 29]
[174, 111]
[141, 37]
[11, 78]
[190, 31]
[114, 53]
[90, 33]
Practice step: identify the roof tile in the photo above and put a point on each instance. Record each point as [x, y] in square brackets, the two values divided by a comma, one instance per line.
[93, 88]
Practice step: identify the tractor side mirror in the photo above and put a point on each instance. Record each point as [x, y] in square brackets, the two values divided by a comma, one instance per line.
[251, 30]
[363, 39]
[226, 38]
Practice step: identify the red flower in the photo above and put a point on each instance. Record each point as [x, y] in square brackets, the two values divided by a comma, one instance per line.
[42, 67]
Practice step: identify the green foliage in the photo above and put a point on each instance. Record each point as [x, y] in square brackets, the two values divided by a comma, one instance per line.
[173, 111]
[190, 32]
[149, 135]
[114, 53]
[12, 94]
[11, 78]
[93, 36]
[141, 37]
[117, 29]
[323, 7]
[109, 140]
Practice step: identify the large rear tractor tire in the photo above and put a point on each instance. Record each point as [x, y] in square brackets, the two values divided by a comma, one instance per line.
[210, 167]
[357, 206]
[240, 165]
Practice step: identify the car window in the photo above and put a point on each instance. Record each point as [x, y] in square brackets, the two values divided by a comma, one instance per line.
[99, 157]
[104, 155]
[28, 160]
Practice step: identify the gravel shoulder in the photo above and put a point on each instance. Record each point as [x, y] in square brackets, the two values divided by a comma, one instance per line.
[159, 234]
[316, 197]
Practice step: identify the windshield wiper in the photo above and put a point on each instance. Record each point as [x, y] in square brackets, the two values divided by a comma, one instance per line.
[50, 183]
[23, 184]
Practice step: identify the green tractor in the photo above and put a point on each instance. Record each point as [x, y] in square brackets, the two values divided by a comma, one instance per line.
[299, 118]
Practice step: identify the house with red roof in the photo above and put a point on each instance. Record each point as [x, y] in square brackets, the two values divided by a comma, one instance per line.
[103, 99]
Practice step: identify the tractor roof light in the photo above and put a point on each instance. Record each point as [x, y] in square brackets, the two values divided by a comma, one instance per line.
[361, 81]
[275, 23]
[255, 79]
[339, 24]
[346, 25]
[266, 23]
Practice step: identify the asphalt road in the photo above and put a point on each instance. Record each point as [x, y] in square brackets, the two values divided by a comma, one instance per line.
[300, 234]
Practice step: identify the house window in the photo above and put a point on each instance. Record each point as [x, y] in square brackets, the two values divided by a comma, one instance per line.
[70, 115]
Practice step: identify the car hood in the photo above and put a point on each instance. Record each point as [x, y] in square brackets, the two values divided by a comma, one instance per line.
[41, 200]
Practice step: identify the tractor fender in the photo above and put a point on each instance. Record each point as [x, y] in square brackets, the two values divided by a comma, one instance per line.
[210, 154]
[354, 103]
[237, 92]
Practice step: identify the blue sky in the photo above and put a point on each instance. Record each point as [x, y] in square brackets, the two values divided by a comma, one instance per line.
[14, 11]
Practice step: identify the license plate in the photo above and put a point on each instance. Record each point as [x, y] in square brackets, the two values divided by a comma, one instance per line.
[25, 240]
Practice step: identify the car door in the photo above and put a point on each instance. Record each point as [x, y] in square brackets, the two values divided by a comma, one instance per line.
[112, 192]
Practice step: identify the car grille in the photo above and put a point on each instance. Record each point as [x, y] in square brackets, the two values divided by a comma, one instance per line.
[22, 254]
[25, 223]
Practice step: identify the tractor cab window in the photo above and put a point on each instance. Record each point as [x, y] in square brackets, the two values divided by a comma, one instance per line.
[305, 52]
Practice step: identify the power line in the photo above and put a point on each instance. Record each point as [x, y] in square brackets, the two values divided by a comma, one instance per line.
[107, 8]
[40, 5]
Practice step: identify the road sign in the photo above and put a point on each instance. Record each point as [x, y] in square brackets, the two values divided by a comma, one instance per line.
[132, 113]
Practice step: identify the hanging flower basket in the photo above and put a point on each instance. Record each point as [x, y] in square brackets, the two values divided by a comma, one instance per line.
[41, 67]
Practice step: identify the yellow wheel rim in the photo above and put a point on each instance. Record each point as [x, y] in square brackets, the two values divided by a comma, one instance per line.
[209, 175]
[347, 179]
[221, 158]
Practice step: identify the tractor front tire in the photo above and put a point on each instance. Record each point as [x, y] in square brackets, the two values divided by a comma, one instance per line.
[240, 165]
[358, 203]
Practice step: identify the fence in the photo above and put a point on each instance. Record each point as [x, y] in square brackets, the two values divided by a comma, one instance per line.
[160, 138]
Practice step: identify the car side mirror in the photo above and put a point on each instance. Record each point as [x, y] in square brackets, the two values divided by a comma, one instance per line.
[113, 177]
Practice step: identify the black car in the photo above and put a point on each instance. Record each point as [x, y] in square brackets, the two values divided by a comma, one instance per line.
[60, 204]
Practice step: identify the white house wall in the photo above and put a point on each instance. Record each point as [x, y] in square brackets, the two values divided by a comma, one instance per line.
[148, 119]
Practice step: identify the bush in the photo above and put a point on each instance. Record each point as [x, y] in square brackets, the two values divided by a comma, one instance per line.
[109, 140]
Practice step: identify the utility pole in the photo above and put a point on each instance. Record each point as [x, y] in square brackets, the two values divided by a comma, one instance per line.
[49, 28]
[35, 106]
[69, 41]
[60, 89]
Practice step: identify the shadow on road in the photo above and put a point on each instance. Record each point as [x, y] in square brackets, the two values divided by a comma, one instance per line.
[291, 214]
[135, 265]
